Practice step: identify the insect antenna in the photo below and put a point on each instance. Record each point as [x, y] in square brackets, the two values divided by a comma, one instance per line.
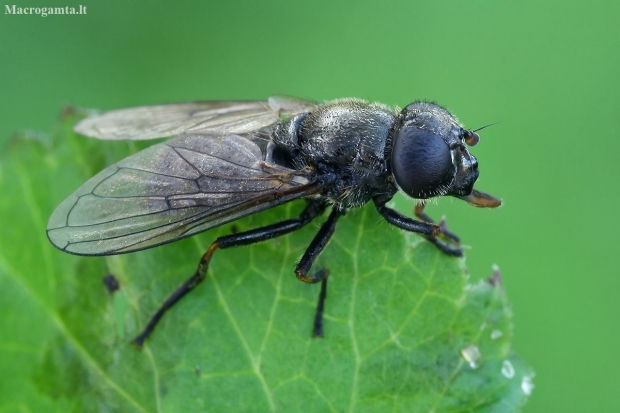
[472, 138]
[486, 126]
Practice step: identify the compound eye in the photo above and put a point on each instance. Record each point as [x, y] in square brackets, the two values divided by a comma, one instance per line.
[471, 138]
[421, 163]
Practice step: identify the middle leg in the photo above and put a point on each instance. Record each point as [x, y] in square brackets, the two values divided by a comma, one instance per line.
[303, 268]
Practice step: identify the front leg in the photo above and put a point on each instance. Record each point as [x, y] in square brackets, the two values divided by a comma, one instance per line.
[444, 233]
[403, 222]
[428, 230]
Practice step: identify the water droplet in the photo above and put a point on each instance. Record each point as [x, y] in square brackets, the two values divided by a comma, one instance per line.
[471, 354]
[495, 334]
[526, 385]
[507, 369]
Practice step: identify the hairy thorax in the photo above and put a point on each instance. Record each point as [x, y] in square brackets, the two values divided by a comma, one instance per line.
[346, 138]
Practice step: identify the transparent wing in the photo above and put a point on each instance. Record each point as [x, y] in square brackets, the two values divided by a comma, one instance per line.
[161, 121]
[170, 191]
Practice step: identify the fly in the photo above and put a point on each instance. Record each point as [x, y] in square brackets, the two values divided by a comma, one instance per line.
[230, 159]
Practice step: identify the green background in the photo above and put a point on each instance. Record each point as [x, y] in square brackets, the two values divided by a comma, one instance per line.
[548, 72]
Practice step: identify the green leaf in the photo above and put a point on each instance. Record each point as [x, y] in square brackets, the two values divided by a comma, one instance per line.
[402, 324]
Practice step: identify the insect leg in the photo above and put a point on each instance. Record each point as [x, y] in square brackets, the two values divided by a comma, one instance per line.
[419, 212]
[450, 236]
[397, 219]
[316, 246]
[317, 330]
[426, 227]
[301, 271]
[312, 210]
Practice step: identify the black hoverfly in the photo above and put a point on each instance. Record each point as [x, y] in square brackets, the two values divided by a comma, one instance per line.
[230, 159]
